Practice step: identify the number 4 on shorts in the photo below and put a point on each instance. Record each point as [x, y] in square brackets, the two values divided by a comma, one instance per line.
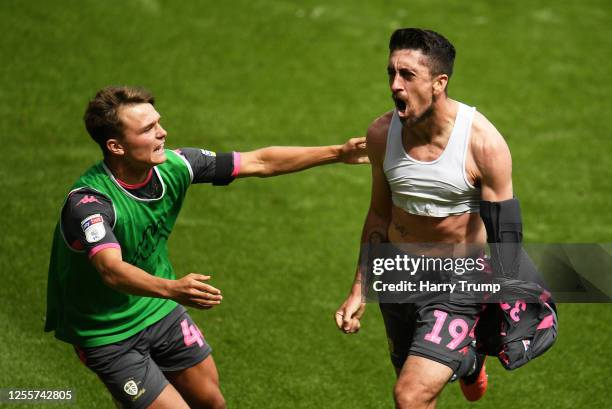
[191, 334]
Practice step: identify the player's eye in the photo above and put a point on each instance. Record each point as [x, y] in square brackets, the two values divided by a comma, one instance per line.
[406, 74]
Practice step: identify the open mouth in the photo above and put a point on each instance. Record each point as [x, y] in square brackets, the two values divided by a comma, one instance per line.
[400, 104]
[160, 148]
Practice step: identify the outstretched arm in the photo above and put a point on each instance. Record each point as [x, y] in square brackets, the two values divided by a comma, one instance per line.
[278, 160]
[121, 276]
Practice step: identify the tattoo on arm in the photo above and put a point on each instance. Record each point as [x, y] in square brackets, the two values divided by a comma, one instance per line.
[368, 250]
[376, 237]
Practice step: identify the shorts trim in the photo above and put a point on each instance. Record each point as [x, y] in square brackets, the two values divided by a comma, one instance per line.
[206, 353]
[431, 355]
[145, 403]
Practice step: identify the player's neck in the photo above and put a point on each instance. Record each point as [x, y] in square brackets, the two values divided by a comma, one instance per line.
[436, 124]
[126, 173]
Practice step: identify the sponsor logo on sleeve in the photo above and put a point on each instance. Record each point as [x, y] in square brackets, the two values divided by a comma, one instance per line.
[93, 227]
[207, 153]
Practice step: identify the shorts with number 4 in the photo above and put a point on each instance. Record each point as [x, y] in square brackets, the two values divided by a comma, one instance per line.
[133, 369]
[441, 331]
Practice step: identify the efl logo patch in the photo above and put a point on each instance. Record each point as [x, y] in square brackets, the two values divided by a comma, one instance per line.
[93, 227]
[207, 153]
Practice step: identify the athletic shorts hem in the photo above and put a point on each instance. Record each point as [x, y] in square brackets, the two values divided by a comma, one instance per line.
[434, 356]
[150, 398]
[205, 355]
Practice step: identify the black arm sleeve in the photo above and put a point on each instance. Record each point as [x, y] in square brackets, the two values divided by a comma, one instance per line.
[87, 220]
[509, 259]
[504, 227]
[209, 167]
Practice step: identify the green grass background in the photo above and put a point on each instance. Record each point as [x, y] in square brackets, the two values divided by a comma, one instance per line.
[245, 74]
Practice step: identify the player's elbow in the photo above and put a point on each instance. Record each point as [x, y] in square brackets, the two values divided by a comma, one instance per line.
[110, 280]
[379, 215]
[108, 273]
[270, 162]
[258, 164]
[266, 170]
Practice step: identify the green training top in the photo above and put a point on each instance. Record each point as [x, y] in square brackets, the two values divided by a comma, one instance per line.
[84, 311]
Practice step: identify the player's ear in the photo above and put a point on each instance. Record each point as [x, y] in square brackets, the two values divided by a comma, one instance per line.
[114, 147]
[439, 84]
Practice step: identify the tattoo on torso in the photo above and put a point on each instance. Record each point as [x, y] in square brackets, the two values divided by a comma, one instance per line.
[401, 229]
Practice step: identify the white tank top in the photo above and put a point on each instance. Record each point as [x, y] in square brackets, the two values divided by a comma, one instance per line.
[438, 188]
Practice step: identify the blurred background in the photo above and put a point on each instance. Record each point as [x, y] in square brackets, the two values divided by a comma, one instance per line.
[246, 74]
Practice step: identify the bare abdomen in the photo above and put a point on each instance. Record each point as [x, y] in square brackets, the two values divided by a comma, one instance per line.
[409, 228]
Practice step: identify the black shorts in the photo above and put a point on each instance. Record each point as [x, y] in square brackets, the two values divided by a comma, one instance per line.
[441, 332]
[132, 369]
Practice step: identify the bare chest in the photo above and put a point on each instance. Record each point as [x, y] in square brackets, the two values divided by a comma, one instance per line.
[432, 151]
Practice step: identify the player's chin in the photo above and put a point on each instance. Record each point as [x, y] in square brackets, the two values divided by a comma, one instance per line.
[158, 157]
[405, 120]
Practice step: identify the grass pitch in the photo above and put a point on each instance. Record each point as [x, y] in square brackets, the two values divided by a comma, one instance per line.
[246, 74]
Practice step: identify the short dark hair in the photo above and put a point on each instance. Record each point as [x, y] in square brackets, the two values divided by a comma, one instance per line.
[102, 113]
[440, 51]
